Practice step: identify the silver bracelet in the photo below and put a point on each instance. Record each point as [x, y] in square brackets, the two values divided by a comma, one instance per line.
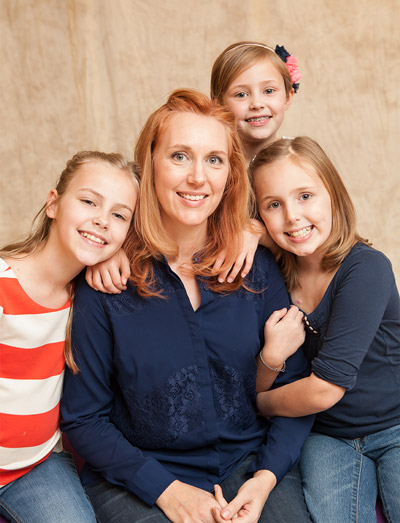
[282, 369]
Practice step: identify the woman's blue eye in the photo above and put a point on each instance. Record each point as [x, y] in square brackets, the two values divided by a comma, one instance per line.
[273, 205]
[180, 157]
[215, 160]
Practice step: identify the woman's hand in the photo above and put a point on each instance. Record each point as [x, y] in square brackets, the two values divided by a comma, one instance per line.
[183, 503]
[111, 275]
[244, 262]
[249, 502]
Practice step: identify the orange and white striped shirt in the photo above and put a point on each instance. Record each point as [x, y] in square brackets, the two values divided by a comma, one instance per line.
[32, 361]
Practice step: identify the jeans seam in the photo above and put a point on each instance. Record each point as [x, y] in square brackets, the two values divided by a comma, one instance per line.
[11, 513]
[358, 485]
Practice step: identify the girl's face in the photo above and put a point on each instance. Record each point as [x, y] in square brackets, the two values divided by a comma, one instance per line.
[191, 167]
[294, 205]
[258, 99]
[92, 217]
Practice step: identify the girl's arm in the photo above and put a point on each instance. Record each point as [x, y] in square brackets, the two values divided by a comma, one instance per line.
[362, 293]
[110, 276]
[284, 333]
[254, 236]
[300, 398]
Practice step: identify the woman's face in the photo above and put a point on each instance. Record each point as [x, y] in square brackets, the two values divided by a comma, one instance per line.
[191, 168]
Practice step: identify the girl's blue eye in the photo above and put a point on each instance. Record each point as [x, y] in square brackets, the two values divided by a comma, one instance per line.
[241, 95]
[120, 216]
[87, 201]
[305, 196]
[269, 90]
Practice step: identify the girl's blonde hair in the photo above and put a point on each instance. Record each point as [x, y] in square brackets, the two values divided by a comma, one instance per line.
[148, 240]
[39, 233]
[304, 152]
[237, 58]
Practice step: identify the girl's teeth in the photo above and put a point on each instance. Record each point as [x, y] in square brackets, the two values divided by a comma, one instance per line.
[259, 119]
[300, 234]
[193, 197]
[93, 238]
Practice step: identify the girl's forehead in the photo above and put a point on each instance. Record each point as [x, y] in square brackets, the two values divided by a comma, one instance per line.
[258, 70]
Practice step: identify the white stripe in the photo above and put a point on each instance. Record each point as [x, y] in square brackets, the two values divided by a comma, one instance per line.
[28, 331]
[4, 273]
[14, 459]
[25, 397]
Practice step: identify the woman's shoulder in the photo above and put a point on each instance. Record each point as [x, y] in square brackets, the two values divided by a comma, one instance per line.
[264, 269]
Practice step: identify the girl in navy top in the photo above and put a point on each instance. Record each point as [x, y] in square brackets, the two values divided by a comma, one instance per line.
[351, 306]
[164, 405]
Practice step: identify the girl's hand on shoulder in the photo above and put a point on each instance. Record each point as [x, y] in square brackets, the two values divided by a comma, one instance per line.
[110, 276]
[250, 241]
[183, 503]
[249, 502]
[284, 333]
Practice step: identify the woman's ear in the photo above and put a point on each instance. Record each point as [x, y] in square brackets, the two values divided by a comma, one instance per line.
[52, 203]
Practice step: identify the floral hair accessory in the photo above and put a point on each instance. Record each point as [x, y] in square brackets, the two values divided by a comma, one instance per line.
[291, 64]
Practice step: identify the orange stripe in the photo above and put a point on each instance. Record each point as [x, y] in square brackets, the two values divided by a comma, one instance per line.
[32, 364]
[16, 301]
[6, 476]
[29, 430]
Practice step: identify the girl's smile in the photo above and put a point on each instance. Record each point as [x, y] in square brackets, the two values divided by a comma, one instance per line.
[294, 205]
[258, 99]
[92, 218]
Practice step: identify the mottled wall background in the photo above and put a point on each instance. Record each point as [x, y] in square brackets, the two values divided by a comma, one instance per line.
[83, 74]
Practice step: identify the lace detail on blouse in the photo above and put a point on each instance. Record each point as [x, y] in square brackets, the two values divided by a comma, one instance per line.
[234, 394]
[160, 418]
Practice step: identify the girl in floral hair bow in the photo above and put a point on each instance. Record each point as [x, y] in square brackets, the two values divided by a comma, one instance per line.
[257, 84]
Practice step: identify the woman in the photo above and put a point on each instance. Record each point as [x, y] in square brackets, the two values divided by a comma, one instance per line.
[163, 408]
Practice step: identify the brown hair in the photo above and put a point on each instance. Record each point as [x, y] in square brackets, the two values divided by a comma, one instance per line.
[148, 240]
[237, 58]
[39, 233]
[306, 151]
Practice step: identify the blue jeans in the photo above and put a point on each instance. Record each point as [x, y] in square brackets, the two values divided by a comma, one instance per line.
[285, 504]
[50, 493]
[341, 477]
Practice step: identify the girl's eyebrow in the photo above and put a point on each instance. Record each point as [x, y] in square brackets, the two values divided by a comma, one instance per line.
[101, 197]
[297, 189]
[243, 86]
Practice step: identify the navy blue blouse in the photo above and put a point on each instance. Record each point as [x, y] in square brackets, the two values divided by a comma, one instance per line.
[165, 392]
[356, 345]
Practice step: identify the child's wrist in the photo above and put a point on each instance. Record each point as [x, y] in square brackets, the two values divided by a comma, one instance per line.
[273, 362]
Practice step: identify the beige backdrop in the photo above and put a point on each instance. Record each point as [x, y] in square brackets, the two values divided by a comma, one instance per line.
[83, 74]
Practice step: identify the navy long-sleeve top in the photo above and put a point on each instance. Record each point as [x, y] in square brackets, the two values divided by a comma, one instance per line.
[165, 392]
[356, 345]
